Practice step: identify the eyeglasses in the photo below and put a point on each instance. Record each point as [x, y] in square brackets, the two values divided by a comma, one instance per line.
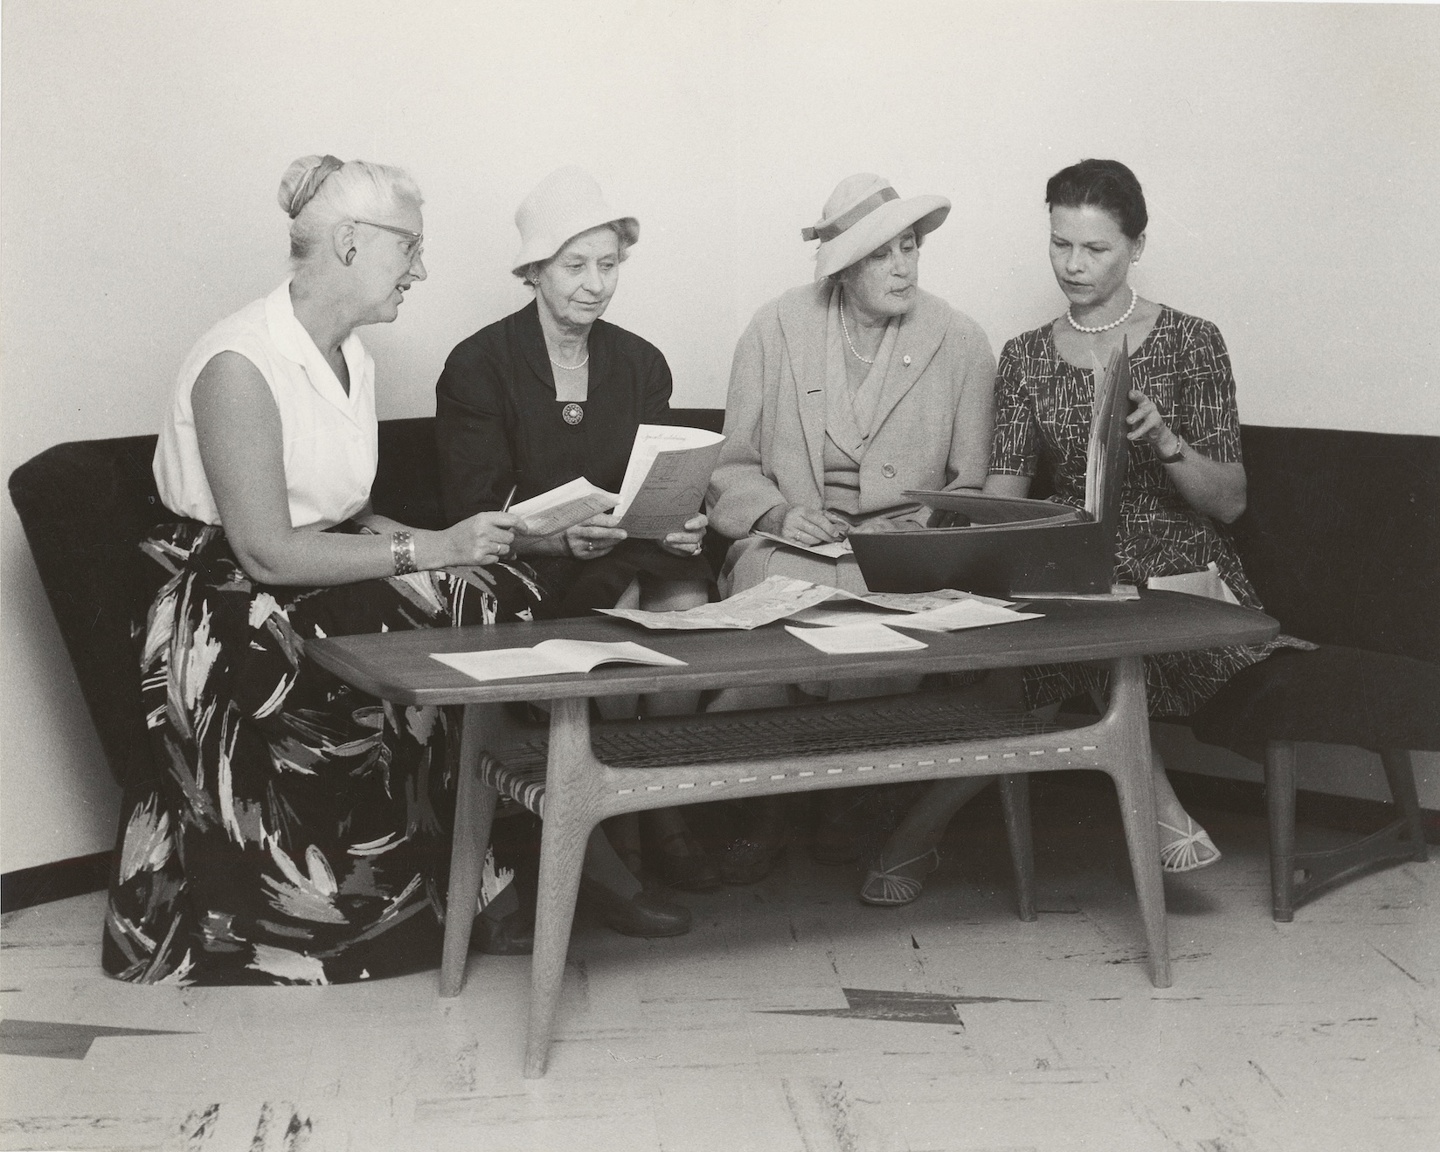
[417, 239]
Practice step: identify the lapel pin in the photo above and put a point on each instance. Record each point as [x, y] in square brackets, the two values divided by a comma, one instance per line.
[906, 361]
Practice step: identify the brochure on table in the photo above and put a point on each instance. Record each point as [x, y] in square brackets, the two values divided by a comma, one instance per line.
[782, 597]
[551, 658]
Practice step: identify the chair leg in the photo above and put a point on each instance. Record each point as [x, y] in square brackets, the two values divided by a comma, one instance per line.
[1015, 802]
[1280, 799]
[1400, 771]
[474, 812]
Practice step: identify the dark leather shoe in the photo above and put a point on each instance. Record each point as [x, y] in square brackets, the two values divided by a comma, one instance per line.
[684, 863]
[747, 861]
[645, 914]
[514, 935]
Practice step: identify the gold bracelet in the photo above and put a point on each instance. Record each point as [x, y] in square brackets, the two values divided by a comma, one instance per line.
[402, 553]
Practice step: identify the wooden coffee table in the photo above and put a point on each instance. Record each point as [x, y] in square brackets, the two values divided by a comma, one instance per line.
[580, 789]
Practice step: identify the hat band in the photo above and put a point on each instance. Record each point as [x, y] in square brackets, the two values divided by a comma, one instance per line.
[828, 231]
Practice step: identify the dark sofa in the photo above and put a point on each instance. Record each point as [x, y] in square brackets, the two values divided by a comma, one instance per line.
[1340, 539]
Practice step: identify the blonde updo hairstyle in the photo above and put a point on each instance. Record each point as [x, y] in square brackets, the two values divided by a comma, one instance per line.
[318, 192]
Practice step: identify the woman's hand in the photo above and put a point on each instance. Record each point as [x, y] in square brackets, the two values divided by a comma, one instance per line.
[690, 541]
[1147, 425]
[482, 539]
[1207, 485]
[596, 537]
[803, 525]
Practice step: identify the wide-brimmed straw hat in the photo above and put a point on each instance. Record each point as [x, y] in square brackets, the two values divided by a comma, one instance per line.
[863, 213]
[563, 205]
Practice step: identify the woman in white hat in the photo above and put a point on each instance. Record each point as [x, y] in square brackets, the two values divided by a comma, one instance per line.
[551, 393]
[295, 830]
[844, 393]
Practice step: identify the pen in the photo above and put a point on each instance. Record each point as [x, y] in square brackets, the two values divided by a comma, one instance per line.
[510, 499]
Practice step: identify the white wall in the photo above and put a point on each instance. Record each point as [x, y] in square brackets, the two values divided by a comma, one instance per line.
[1289, 153]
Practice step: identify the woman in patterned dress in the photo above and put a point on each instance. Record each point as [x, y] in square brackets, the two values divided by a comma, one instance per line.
[297, 830]
[1184, 481]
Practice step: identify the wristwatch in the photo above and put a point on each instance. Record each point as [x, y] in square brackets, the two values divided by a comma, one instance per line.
[1174, 457]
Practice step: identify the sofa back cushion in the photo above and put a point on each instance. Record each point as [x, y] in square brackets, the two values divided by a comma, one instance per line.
[1341, 537]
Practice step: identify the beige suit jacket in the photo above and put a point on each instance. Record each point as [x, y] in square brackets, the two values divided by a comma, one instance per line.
[933, 421]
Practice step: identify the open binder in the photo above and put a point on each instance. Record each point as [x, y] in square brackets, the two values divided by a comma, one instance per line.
[1004, 546]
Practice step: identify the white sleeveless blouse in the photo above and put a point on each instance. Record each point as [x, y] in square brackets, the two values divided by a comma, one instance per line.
[330, 438]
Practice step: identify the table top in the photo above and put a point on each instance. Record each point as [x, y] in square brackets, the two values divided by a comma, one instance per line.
[397, 665]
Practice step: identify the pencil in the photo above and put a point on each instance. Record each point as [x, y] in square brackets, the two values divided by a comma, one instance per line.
[510, 499]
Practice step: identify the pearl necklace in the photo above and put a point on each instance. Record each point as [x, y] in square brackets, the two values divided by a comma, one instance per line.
[569, 367]
[1070, 315]
[846, 329]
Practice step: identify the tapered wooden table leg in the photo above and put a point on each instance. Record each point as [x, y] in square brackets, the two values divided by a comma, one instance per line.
[474, 813]
[571, 812]
[1135, 783]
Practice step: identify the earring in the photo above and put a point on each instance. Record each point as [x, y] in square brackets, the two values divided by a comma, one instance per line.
[350, 257]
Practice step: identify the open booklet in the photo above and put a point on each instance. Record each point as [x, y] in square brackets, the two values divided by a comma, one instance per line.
[1013, 546]
[664, 486]
[550, 658]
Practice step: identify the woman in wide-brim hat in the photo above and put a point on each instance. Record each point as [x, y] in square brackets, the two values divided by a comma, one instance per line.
[551, 393]
[844, 393]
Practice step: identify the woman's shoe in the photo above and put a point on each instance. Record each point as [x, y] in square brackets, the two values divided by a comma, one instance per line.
[892, 887]
[512, 935]
[645, 914]
[684, 863]
[1191, 849]
[747, 861]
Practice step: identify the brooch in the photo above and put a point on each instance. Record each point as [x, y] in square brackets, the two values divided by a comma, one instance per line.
[572, 414]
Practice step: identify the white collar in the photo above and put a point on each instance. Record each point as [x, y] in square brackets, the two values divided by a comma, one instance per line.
[295, 343]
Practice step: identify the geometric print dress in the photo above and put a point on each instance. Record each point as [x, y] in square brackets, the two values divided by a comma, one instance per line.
[1042, 415]
[298, 830]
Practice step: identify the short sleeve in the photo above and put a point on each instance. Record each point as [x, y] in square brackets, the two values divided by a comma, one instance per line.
[1207, 413]
[1014, 448]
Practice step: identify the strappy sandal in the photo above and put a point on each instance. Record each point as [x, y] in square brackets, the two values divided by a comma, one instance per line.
[1183, 854]
[890, 887]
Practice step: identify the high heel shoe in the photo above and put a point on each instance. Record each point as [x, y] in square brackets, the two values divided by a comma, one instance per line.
[890, 887]
[645, 914]
[1191, 849]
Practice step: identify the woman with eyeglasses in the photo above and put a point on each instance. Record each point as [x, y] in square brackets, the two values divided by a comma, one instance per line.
[296, 831]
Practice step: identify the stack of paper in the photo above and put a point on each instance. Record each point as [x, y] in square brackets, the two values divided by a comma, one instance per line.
[550, 658]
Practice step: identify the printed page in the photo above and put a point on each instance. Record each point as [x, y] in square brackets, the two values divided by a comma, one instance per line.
[772, 599]
[961, 614]
[666, 479]
[855, 639]
[583, 655]
[563, 507]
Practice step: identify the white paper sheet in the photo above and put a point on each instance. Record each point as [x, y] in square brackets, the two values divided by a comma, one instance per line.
[852, 639]
[550, 658]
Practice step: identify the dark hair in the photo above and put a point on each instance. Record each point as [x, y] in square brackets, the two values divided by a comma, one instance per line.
[1106, 184]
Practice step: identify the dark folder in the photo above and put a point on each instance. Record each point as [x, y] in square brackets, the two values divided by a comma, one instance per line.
[1004, 546]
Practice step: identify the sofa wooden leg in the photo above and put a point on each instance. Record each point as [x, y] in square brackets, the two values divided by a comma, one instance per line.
[1280, 799]
[1015, 802]
[1400, 771]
